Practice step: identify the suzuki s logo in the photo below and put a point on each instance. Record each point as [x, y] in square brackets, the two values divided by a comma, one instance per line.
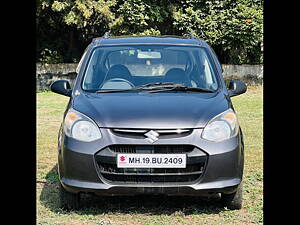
[151, 136]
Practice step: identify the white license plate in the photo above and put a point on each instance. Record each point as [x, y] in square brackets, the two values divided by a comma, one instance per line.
[151, 160]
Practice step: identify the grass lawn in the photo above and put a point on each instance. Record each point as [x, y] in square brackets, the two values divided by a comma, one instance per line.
[149, 210]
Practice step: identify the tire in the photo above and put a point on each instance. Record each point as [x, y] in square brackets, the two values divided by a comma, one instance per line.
[235, 200]
[68, 200]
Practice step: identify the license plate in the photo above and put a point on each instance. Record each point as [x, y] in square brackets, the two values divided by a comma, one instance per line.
[151, 160]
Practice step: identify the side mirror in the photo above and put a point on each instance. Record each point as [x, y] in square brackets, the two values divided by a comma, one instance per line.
[236, 87]
[61, 87]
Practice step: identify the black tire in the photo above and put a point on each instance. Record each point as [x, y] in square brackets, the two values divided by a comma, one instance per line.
[234, 200]
[68, 200]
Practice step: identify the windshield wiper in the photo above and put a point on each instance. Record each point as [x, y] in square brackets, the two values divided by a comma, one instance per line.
[160, 86]
[150, 86]
[180, 87]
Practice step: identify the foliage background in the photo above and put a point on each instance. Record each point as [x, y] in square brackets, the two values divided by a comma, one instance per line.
[234, 28]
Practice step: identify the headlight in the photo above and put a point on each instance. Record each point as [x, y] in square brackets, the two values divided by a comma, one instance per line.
[80, 127]
[221, 127]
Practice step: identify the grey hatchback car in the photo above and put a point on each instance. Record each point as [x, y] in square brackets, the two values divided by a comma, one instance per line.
[150, 115]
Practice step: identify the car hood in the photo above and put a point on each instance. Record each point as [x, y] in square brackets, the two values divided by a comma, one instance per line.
[151, 110]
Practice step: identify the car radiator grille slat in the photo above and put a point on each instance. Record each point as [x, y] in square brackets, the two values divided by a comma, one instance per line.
[161, 149]
[111, 173]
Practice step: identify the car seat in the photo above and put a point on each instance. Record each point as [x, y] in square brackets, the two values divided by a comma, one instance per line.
[119, 71]
[177, 75]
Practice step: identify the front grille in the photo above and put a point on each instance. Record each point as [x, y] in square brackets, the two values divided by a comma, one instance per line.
[155, 149]
[140, 179]
[107, 165]
[163, 133]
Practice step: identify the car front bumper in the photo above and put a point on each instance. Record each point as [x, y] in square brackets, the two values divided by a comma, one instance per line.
[79, 172]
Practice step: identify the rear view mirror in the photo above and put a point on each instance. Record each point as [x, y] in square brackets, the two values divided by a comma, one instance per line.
[148, 55]
[61, 87]
[236, 87]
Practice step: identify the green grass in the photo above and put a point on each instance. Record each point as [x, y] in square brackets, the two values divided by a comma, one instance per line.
[149, 210]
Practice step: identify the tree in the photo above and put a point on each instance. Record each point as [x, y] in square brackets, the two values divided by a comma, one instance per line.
[232, 27]
[143, 17]
[48, 28]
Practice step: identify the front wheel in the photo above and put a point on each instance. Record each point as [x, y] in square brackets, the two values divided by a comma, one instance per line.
[234, 200]
[68, 200]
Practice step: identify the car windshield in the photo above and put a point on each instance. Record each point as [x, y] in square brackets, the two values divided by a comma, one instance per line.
[127, 67]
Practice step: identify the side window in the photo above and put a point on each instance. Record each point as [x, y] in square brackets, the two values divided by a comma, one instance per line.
[210, 79]
[205, 70]
[80, 62]
[90, 71]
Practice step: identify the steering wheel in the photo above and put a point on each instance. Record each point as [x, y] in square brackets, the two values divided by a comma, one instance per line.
[119, 80]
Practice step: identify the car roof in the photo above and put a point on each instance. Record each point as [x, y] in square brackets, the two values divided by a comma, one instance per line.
[166, 39]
